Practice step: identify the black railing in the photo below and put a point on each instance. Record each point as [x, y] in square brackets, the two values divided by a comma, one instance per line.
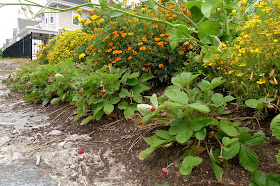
[27, 47]
[20, 49]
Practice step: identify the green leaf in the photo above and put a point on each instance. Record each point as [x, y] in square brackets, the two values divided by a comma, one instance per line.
[257, 139]
[144, 109]
[184, 79]
[273, 179]
[146, 77]
[99, 115]
[87, 119]
[55, 101]
[123, 105]
[154, 141]
[206, 30]
[138, 98]
[163, 134]
[176, 37]
[217, 99]
[190, 4]
[103, 4]
[217, 170]
[198, 123]
[275, 126]
[154, 100]
[123, 93]
[129, 113]
[191, 161]
[227, 141]
[177, 96]
[176, 126]
[253, 103]
[231, 151]
[115, 100]
[132, 82]
[247, 158]
[184, 135]
[185, 170]
[201, 107]
[115, 13]
[228, 127]
[209, 6]
[259, 178]
[145, 153]
[108, 108]
[216, 82]
[200, 135]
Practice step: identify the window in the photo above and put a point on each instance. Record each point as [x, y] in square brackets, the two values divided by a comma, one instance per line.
[51, 18]
[46, 20]
[75, 21]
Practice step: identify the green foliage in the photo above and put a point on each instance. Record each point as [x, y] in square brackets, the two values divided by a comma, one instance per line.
[141, 46]
[190, 110]
[260, 179]
[82, 85]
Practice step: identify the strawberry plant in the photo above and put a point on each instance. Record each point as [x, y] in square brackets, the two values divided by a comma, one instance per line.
[260, 179]
[94, 92]
[192, 113]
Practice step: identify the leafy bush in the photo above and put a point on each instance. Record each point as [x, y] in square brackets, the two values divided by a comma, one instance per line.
[191, 111]
[92, 90]
[63, 47]
[252, 71]
[127, 42]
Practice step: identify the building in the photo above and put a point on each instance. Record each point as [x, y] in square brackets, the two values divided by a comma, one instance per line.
[52, 24]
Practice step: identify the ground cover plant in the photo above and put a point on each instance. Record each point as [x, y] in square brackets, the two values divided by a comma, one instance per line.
[94, 91]
[122, 51]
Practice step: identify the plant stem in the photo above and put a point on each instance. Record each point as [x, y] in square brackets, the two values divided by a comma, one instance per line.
[191, 21]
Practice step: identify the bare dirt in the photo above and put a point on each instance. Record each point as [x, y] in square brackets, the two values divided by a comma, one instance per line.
[111, 149]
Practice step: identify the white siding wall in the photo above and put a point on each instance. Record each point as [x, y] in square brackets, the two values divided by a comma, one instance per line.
[49, 25]
[66, 20]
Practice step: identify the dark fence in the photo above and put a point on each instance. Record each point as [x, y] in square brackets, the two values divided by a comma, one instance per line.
[28, 46]
[20, 49]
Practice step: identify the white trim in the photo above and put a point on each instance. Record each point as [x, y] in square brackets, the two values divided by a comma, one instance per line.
[55, 2]
[27, 30]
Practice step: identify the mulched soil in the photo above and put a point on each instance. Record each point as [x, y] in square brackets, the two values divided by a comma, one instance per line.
[124, 139]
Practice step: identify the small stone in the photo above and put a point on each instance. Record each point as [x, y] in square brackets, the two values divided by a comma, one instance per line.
[88, 138]
[61, 144]
[54, 133]
[68, 145]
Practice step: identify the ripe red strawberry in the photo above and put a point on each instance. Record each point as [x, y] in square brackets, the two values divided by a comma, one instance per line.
[164, 171]
[49, 74]
[140, 123]
[128, 118]
[81, 91]
[270, 107]
[81, 151]
[153, 109]
[164, 114]
[77, 67]
[103, 91]
[52, 92]
[51, 81]
[84, 69]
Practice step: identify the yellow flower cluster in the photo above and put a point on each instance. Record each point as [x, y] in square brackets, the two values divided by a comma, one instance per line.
[66, 45]
[255, 56]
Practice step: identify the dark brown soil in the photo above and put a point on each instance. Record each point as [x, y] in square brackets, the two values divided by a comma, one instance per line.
[121, 138]
[125, 141]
